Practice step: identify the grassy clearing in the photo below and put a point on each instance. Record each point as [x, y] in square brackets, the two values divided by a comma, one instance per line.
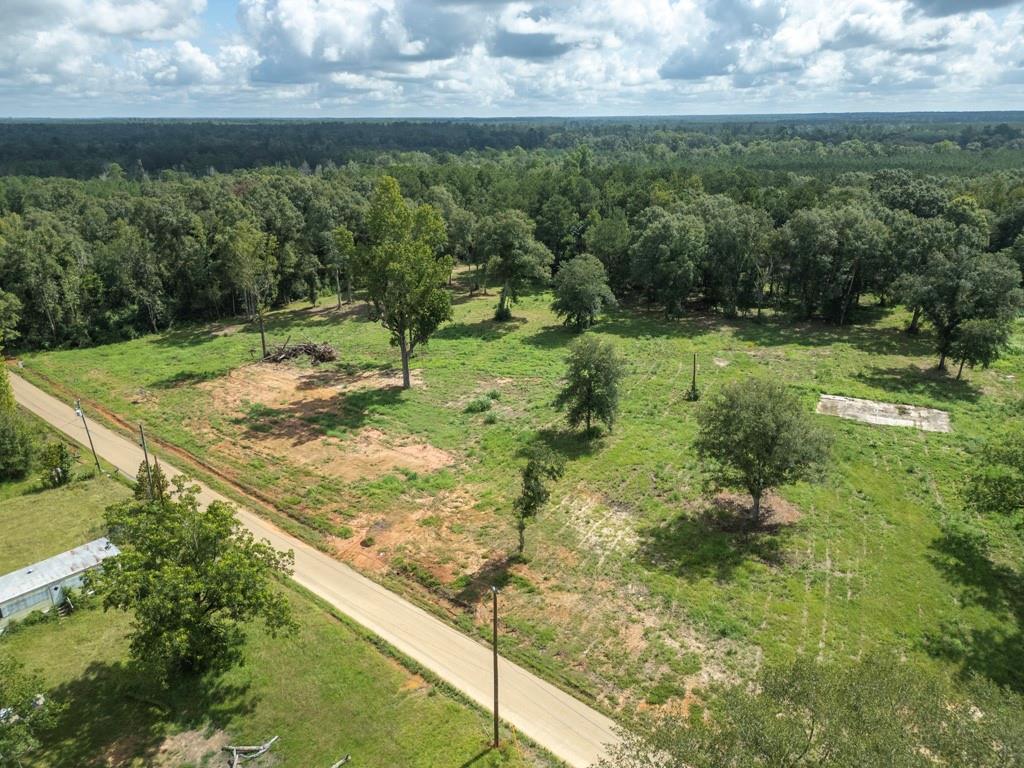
[629, 586]
[326, 691]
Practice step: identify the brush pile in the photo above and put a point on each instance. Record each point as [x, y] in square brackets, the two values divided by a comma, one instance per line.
[318, 353]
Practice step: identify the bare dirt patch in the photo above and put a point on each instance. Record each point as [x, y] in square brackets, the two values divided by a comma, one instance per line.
[886, 414]
[735, 507]
[294, 399]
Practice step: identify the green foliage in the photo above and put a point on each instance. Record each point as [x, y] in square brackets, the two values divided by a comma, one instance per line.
[962, 285]
[55, 464]
[404, 278]
[980, 342]
[25, 712]
[581, 291]
[996, 481]
[542, 466]
[755, 435]
[7, 402]
[666, 256]
[194, 579]
[591, 390]
[145, 477]
[478, 405]
[513, 256]
[809, 714]
[17, 448]
[10, 315]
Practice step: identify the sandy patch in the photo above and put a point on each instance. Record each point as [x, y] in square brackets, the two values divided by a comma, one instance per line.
[720, 362]
[369, 453]
[775, 510]
[296, 398]
[278, 385]
[188, 748]
[603, 528]
[886, 414]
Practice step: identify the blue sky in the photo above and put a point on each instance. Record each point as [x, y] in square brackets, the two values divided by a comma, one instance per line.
[347, 58]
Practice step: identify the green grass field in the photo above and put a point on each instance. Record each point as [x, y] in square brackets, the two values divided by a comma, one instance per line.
[628, 592]
[326, 691]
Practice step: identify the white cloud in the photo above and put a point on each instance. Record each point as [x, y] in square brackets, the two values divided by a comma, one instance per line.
[445, 57]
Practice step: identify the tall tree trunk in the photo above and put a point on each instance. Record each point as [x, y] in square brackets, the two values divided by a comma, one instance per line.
[522, 535]
[263, 335]
[337, 286]
[404, 347]
[756, 511]
[942, 361]
[960, 372]
[348, 285]
[915, 321]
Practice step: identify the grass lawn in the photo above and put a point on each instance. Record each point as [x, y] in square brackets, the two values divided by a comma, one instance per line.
[39, 524]
[630, 591]
[326, 691]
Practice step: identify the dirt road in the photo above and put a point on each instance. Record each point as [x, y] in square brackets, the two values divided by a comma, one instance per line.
[568, 728]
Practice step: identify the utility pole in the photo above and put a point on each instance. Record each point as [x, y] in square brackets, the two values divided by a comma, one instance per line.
[693, 395]
[88, 434]
[494, 648]
[145, 453]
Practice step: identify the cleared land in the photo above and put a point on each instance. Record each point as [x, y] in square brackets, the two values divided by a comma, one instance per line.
[633, 589]
[327, 690]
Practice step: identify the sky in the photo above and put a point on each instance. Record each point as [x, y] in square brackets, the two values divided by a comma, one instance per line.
[492, 58]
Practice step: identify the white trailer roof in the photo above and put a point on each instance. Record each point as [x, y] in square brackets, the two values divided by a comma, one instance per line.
[55, 569]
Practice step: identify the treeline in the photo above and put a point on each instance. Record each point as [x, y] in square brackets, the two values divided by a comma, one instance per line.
[83, 149]
[84, 262]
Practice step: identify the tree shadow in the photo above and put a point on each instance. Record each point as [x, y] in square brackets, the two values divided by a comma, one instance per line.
[780, 330]
[307, 420]
[114, 713]
[484, 330]
[639, 321]
[568, 443]
[994, 652]
[932, 383]
[493, 573]
[712, 543]
[185, 378]
[551, 337]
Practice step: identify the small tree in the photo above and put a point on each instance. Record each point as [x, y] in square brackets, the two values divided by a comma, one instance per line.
[756, 436]
[541, 467]
[591, 388]
[252, 262]
[980, 342]
[55, 464]
[16, 447]
[24, 712]
[405, 279]
[151, 474]
[581, 291]
[513, 256]
[341, 259]
[193, 579]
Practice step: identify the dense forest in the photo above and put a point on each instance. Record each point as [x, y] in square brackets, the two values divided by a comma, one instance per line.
[115, 229]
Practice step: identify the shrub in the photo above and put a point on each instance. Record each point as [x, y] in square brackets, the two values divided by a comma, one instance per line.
[16, 447]
[478, 405]
[55, 464]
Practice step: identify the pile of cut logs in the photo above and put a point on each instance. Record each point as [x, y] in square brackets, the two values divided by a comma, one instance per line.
[318, 353]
